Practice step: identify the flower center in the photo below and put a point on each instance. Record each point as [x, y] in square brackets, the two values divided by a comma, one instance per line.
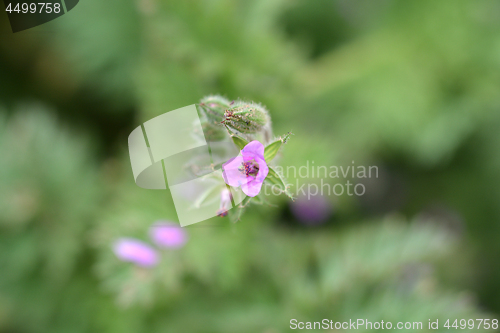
[249, 168]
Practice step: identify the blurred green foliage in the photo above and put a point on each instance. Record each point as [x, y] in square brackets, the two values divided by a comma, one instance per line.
[409, 86]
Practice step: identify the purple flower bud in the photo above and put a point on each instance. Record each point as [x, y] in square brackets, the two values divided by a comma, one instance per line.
[133, 250]
[168, 235]
[225, 202]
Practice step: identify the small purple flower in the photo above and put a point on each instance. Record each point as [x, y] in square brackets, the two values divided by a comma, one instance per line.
[312, 210]
[133, 250]
[248, 169]
[168, 235]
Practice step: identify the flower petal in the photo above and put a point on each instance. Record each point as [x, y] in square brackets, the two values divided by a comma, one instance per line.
[254, 149]
[232, 173]
[263, 170]
[252, 188]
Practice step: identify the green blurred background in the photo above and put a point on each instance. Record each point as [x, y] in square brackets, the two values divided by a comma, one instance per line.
[409, 86]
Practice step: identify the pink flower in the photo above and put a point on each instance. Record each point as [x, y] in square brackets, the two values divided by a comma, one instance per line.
[248, 169]
[133, 250]
[168, 235]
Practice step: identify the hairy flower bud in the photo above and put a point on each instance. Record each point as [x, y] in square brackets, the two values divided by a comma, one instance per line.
[213, 107]
[211, 110]
[248, 118]
[213, 132]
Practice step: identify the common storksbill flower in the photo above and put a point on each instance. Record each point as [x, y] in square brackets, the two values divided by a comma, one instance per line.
[248, 169]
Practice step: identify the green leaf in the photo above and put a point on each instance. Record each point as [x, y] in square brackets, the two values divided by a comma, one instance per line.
[272, 149]
[238, 140]
[275, 179]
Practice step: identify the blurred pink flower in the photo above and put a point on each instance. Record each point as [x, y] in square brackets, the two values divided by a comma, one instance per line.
[168, 234]
[133, 250]
[248, 170]
[312, 210]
